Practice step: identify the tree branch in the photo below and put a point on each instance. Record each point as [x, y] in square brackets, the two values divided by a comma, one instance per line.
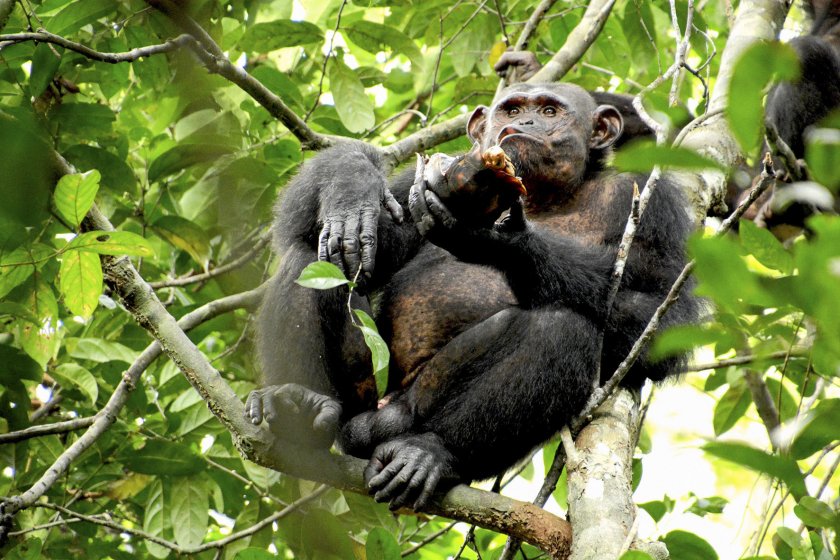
[47, 429]
[44, 36]
[216, 62]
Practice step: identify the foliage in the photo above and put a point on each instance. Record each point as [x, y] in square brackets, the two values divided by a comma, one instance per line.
[186, 165]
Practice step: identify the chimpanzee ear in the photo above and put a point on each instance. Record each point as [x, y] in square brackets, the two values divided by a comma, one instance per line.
[475, 126]
[607, 127]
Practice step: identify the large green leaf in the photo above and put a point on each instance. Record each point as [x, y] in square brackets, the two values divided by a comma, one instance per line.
[355, 109]
[642, 156]
[376, 37]
[112, 243]
[764, 246]
[185, 235]
[273, 35]
[822, 153]
[162, 457]
[45, 63]
[380, 355]
[183, 156]
[782, 468]
[321, 275]
[40, 341]
[688, 546]
[761, 63]
[156, 518]
[381, 545]
[100, 351]
[77, 14]
[190, 507]
[74, 195]
[74, 374]
[731, 407]
[80, 281]
[820, 429]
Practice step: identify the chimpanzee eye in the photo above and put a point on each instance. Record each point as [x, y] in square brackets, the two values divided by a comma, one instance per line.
[550, 111]
[513, 111]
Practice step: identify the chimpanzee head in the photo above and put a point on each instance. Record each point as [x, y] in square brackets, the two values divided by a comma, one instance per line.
[553, 133]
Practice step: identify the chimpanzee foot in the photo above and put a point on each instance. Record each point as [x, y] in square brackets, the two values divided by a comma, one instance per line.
[407, 470]
[296, 412]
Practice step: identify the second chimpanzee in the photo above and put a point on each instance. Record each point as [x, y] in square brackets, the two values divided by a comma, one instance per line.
[492, 326]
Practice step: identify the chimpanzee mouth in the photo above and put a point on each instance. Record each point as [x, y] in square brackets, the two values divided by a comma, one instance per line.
[510, 132]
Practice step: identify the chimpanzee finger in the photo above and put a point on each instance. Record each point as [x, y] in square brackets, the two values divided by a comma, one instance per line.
[428, 488]
[416, 482]
[439, 210]
[394, 208]
[367, 239]
[515, 220]
[423, 220]
[334, 246]
[328, 416]
[253, 408]
[385, 475]
[350, 246]
[396, 486]
[288, 398]
[323, 241]
[373, 468]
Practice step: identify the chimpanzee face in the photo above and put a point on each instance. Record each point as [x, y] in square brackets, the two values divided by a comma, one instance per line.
[547, 131]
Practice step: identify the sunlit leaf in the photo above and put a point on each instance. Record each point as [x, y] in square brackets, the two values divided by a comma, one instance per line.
[380, 355]
[352, 103]
[731, 407]
[761, 63]
[74, 374]
[112, 243]
[322, 275]
[268, 36]
[80, 281]
[822, 153]
[74, 195]
[381, 545]
[642, 156]
[183, 156]
[156, 518]
[190, 507]
[783, 468]
[185, 235]
[688, 546]
[376, 37]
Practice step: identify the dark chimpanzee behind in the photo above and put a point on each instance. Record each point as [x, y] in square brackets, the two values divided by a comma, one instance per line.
[492, 325]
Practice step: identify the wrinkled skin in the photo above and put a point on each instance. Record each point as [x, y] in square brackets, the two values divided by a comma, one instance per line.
[491, 323]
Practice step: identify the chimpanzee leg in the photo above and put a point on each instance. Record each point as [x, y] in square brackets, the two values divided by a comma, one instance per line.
[306, 340]
[492, 394]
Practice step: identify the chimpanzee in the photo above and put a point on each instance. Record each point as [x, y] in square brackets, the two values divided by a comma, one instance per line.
[492, 323]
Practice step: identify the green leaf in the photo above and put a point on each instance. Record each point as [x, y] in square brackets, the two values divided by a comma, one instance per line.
[322, 275]
[642, 156]
[815, 513]
[281, 84]
[74, 374]
[183, 156]
[84, 119]
[76, 15]
[41, 341]
[45, 62]
[185, 235]
[636, 555]
[704, 506]
[658, 508]
[116, 173]
[18, 265]
[380, 355]
[381, 545]
[162, 457]
[376, 37]
[751, 76]
[112, 243]
[100, 351]
[782, 468]
[74, 195]
[156, 518]
[254, 554]
[731, 407]
[354, 107]
[268, 36]
[822, 154]
[190, 507]
[764, 246]
[80, 282]
[688, 546]
[819, 430]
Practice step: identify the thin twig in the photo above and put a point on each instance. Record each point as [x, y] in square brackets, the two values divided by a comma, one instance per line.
[411, 550]
[326, 60]
[44, 36]
[47, 429]
[239, 261]
[744, 360]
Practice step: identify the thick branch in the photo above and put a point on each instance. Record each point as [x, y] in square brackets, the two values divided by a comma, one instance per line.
[44, 36]
[579, 40]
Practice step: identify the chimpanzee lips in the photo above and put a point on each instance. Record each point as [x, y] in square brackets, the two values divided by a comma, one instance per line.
[514, 132]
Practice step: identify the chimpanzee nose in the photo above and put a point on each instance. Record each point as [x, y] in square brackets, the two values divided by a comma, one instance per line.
[528, 122]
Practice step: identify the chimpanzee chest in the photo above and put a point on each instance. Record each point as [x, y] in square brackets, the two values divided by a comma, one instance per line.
[432, 300]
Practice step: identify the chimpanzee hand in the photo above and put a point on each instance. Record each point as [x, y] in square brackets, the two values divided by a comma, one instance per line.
[407, 470]
[517, 66]
[437, 223]
[350, 219]
[298, 413]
